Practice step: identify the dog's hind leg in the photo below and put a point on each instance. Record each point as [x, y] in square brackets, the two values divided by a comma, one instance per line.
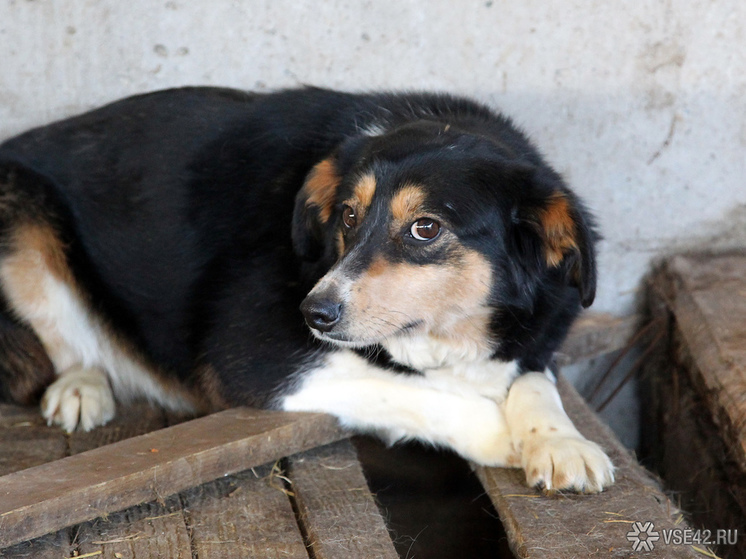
[25, 368]
[39, 289]
[90, 359]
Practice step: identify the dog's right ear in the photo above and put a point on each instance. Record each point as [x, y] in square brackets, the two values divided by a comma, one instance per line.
[314, 206]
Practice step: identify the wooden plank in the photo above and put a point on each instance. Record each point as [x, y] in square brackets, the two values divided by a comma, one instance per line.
[150, 530]
[45, 498]
[25, 439]
[132, 420]
[569, 525]
[244, 515]
[695, 390]
[594, 334]
[337, 512]
[689, 451]
[50, 546]
[707, 295]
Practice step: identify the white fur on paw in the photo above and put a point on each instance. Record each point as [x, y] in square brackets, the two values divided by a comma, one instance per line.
[497, 451]
[566, 463]
[80, 397]
[485, 441]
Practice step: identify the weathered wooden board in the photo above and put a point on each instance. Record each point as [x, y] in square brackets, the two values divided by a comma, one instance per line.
[60, 497]
[687, 450]
[707, 296]
[696, 390]
[337, 512]
[245, 515]
[25, 440]
[45, 498]
[149, 530]
[594, 334]
[50, 546]
[130, 421]
[568, 526]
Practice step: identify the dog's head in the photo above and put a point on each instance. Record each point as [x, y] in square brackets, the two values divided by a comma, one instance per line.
[433, 229]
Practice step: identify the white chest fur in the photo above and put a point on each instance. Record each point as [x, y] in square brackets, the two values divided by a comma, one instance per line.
[425, 351]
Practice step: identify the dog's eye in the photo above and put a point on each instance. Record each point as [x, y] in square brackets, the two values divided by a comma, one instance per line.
[348, 217]
[425, 229]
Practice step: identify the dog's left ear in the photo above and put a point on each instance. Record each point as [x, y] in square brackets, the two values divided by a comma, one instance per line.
[314, 206]
[563, 233]
[569, 242]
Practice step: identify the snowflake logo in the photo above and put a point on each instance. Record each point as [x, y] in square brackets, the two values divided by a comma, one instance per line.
[643, 536]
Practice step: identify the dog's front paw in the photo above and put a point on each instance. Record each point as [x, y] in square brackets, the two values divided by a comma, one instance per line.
[79, 397]
[486, 442]
[494, 451]
[569, 463]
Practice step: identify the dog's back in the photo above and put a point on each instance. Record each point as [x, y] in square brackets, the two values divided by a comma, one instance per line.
[159, 211]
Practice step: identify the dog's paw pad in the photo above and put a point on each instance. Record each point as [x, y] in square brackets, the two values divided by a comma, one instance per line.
[79, 398]
[567, 463]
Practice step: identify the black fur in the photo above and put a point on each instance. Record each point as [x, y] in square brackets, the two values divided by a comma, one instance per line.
[177, 209]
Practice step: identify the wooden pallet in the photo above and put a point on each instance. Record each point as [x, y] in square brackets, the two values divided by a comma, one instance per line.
[697, 388]
[216, 486]
[249, 483]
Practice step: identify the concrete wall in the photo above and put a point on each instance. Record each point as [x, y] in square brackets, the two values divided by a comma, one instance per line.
[641, 105]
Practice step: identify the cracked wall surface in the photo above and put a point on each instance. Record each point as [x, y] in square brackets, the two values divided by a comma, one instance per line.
[639, 105]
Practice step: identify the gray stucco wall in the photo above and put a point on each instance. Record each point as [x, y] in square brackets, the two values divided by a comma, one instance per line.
[641, 105]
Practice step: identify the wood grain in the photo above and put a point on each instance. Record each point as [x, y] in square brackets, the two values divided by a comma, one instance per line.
[595, 334]
[26, 441]
[568, 526]
[45, 498]
[244, 515]
[707, 296]
[149, 530]
[51, 546]
[336, 509]
[130, 421]
[696, 389]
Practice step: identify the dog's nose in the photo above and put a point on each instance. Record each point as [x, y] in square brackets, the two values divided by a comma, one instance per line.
[321, 314]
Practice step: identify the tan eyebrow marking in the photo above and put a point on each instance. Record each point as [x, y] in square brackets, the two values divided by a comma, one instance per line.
[362, 194]
[321, 187]
[407, 202]
[364, 190]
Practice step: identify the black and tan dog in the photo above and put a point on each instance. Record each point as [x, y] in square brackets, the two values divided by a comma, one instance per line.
[161, 247]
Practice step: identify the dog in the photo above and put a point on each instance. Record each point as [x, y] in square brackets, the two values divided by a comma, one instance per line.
[179, 246]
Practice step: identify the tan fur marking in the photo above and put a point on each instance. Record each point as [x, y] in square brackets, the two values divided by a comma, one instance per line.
[513, 461]
[44, 242]
[36, 254]
[362, 196]
[449, 299]
[364, 191]
[210, 389]
[559, 229]
[378, 266]
[36, 251]
[321, 188]
[406, 203]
